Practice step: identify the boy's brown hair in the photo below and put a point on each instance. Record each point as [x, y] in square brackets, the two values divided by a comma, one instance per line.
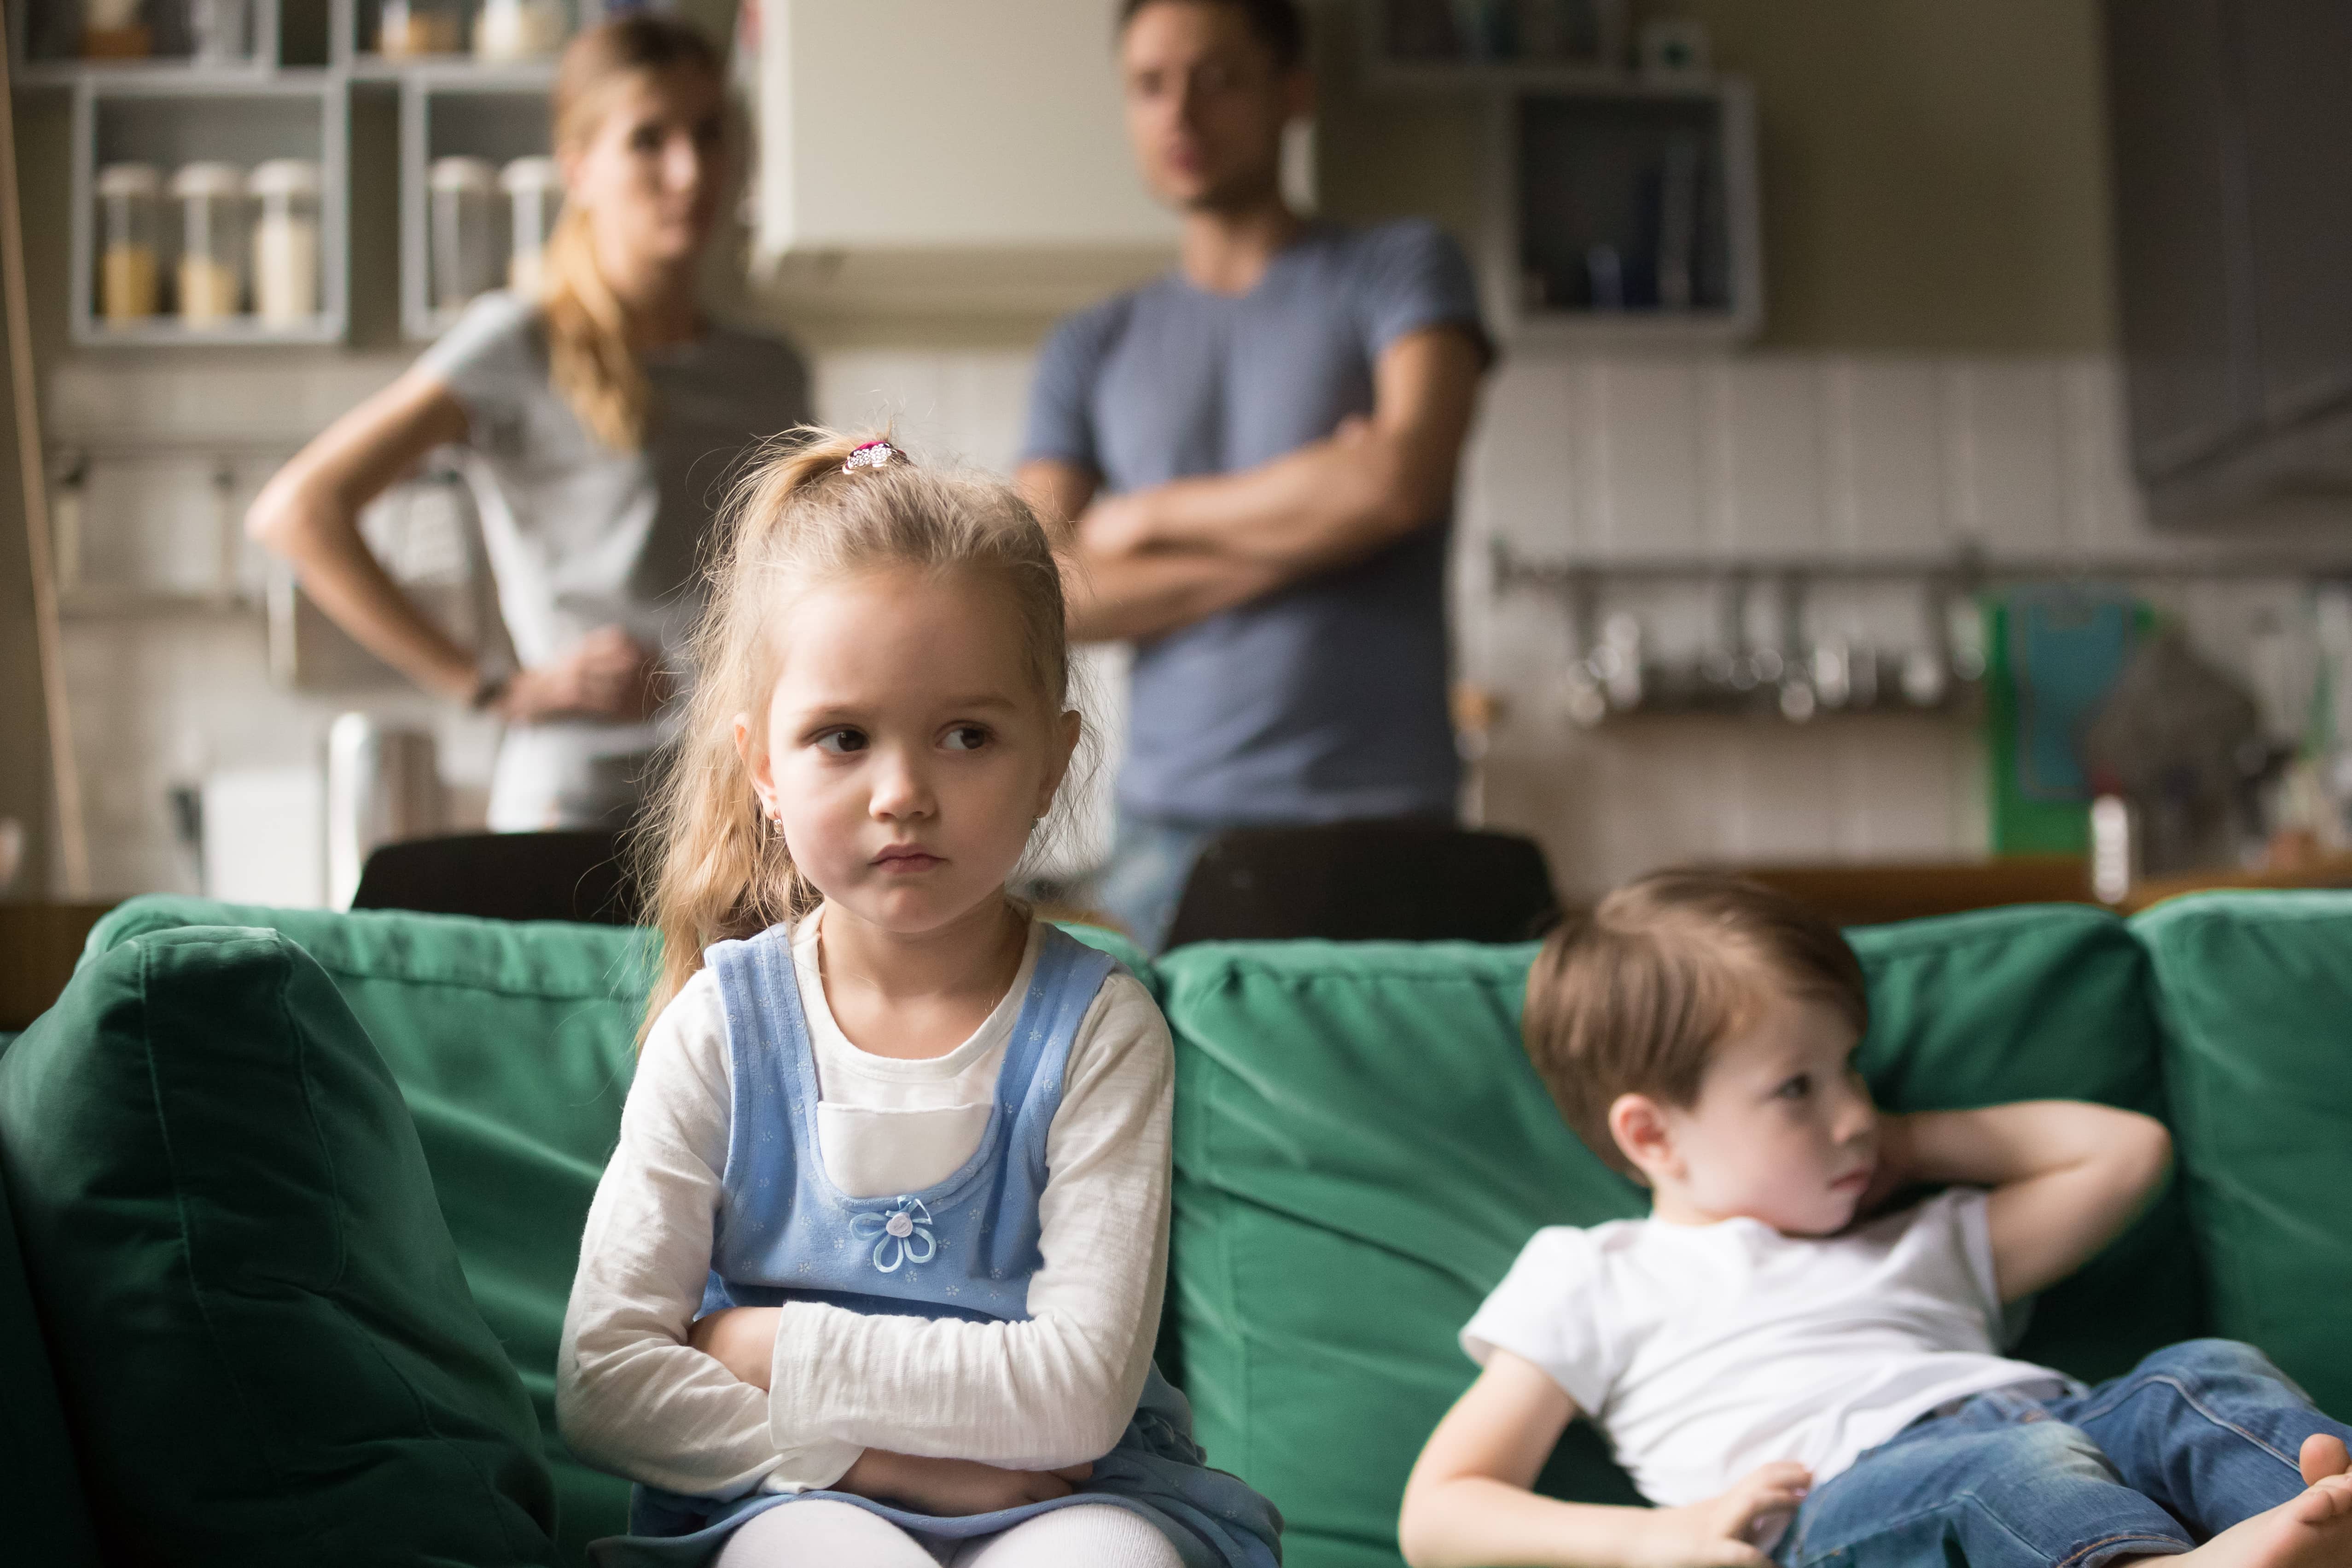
[1633, 995]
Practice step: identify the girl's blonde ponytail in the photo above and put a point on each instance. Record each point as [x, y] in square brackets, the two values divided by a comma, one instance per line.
[590, 359]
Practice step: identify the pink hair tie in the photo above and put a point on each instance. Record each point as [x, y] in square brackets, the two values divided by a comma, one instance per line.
[870, 455]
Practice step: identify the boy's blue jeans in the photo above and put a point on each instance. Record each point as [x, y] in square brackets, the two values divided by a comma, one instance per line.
[2195, 1438]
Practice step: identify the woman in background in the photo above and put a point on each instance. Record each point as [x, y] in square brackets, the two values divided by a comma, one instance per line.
[602, 422]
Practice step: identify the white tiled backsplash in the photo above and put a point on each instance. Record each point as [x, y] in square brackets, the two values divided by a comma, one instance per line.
[1753, 457]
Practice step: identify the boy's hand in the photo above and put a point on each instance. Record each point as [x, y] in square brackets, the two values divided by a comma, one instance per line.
[954, 1487]
[741, 1339]
[1721, 1531]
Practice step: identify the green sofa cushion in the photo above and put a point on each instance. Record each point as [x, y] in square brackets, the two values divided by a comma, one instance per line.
[2254, 993]
[2042, 1002]
[265, 1340]
[1362, 1149]
[513, 1045]
[40, 1487]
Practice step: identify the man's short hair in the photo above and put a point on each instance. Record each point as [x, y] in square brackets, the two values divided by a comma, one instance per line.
[1633, 996]
[1279, 24]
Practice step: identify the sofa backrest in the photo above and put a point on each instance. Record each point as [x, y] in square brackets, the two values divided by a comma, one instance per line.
[1362, 1149]
[513, 1043]
[513, 1046]
[2255, 992]
[39, 1487]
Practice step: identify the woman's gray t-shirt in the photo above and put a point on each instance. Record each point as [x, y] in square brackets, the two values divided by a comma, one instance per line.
[1326, 699]
[580, 536]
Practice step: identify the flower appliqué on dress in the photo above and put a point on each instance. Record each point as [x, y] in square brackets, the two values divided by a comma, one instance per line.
[901, 1236]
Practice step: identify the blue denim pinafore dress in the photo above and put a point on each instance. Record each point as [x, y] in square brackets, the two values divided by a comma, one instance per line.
[963, 1248]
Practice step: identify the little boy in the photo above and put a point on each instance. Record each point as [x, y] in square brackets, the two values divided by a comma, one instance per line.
[1779, 1376]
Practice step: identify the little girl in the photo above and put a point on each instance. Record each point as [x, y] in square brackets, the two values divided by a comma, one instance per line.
[874, 1275]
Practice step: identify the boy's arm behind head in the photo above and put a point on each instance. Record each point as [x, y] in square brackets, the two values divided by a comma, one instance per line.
[2065, 1176]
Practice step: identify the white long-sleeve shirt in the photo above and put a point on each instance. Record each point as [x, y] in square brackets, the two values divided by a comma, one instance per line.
[631, 1397]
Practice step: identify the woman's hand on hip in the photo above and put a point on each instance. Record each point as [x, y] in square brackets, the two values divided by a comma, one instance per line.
[952, 1487]
[741, 1339]
[607, 674]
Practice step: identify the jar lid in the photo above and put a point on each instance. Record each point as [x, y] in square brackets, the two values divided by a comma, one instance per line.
[208, 180]
[463, 175]
[537, 174]
[284, 177]
[129, 180]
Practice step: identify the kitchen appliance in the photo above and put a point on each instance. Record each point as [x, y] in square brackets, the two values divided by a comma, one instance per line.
[383, 784]
[263, 837]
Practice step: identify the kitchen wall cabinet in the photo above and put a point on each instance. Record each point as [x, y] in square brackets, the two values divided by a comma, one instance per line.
[2232, 129]
[1624, 211]
[496, 113]
[167, 120]
[931, 156]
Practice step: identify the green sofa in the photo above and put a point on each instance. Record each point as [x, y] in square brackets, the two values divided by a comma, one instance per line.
[292, 1211]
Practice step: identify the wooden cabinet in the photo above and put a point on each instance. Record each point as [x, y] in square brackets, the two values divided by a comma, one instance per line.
[2297, 60]
[2232, 129]
[1624, 211]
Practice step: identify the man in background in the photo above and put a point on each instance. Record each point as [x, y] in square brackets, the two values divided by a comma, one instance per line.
[1258, 454]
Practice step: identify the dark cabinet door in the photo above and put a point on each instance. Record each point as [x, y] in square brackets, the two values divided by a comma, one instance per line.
[2180, 232]
[2297, 58]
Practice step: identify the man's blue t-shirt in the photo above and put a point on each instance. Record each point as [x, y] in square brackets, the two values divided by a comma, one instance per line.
[1326, 699]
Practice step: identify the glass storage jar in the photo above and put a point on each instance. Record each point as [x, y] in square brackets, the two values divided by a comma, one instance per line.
[111, 30]
[285, 241]
[519, 29]
[406, 28]
[218, 31]
[131, 225]
[211, 198]
[464, 230]
[535, 188]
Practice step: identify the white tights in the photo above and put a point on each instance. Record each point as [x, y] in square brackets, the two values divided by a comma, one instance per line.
[822, 1533]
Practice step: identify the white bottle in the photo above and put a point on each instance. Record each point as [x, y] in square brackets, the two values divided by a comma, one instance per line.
[535, 187]
[286, 242]
[519, 29]
[463, 231]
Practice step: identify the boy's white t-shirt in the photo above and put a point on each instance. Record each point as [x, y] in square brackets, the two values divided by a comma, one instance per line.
[1706, 1350]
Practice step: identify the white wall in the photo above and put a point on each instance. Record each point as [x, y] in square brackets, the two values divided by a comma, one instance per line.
[1714, 457]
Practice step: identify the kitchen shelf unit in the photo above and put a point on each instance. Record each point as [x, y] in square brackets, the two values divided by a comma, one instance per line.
[44, 39]
[291, 99]
[1437, 46]
[175, 118]
[353, 25]
[495, 112]
[1626, 211]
